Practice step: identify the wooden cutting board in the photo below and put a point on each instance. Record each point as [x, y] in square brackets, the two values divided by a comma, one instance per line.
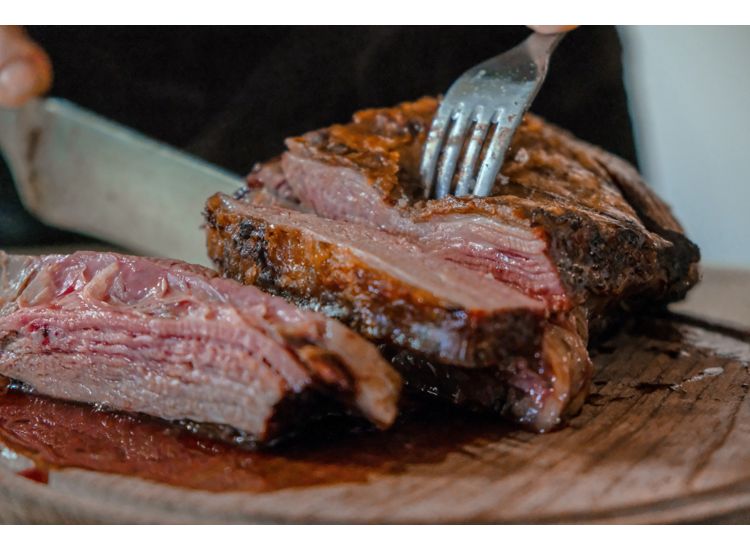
[664, 437]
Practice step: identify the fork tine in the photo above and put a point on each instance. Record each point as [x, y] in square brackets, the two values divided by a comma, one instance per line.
[432, 148]
[466, 170]
[451, 150]
[493, 160]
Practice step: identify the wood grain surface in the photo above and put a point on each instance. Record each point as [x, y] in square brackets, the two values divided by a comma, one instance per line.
[664, 437]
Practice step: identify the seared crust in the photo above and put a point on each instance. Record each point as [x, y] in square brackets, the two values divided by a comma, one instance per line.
[379, 306]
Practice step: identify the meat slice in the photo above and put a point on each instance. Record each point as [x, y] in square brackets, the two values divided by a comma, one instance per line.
[339, 220]
[425, 313]
[450, 330]
[382, 285]
[176, 341]
[559, 209]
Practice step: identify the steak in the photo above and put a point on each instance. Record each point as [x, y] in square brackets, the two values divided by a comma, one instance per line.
[177, 341]
[559, 208]
[486, 302]
[442, 310]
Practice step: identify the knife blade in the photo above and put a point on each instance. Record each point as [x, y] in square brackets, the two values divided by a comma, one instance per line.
[76, 170]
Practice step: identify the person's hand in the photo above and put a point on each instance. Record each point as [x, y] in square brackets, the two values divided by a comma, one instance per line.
[25, 70]
[551, 29]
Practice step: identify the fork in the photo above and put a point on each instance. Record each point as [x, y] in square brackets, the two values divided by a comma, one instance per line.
[495, 93]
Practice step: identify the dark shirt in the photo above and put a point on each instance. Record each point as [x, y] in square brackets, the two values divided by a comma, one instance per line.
[232, 94]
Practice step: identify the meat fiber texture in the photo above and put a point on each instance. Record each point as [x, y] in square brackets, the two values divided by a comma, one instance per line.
[485, 302]
[177, 341]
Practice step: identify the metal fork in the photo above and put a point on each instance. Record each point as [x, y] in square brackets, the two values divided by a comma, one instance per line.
[495, 93]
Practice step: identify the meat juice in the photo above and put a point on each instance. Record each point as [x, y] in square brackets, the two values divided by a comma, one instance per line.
[58, 434]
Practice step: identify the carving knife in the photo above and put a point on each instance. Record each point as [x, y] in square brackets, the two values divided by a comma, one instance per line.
[78, 171]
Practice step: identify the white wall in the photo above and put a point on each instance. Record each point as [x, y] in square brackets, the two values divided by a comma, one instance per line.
[689, 90]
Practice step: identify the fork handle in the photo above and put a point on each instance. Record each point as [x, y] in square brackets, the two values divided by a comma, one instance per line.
[540, 46]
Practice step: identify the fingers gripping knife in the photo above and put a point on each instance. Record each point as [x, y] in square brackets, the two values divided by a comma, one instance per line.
[75, 170]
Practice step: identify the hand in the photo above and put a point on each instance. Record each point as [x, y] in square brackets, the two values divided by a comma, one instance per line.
[551, 29]
[25, 70]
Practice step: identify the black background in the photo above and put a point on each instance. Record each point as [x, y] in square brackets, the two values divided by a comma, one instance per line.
[232, 94]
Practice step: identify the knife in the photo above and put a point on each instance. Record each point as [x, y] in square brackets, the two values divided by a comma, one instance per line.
[78, 171]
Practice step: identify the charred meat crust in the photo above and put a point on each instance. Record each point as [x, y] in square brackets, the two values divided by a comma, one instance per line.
[383, 309]
[680, 262]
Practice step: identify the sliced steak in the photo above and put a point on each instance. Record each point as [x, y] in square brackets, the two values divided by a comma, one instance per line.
[559, 210]
[339, 223]
[178, 342]
[425, 312]
[382, 285]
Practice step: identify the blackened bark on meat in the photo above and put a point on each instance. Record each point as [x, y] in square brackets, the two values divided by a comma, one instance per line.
[681, 261]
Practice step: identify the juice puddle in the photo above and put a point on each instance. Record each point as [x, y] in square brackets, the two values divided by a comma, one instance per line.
[58, 434]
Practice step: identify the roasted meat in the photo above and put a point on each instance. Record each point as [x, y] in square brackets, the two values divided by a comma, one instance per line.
[486, 302]
[176, 341]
